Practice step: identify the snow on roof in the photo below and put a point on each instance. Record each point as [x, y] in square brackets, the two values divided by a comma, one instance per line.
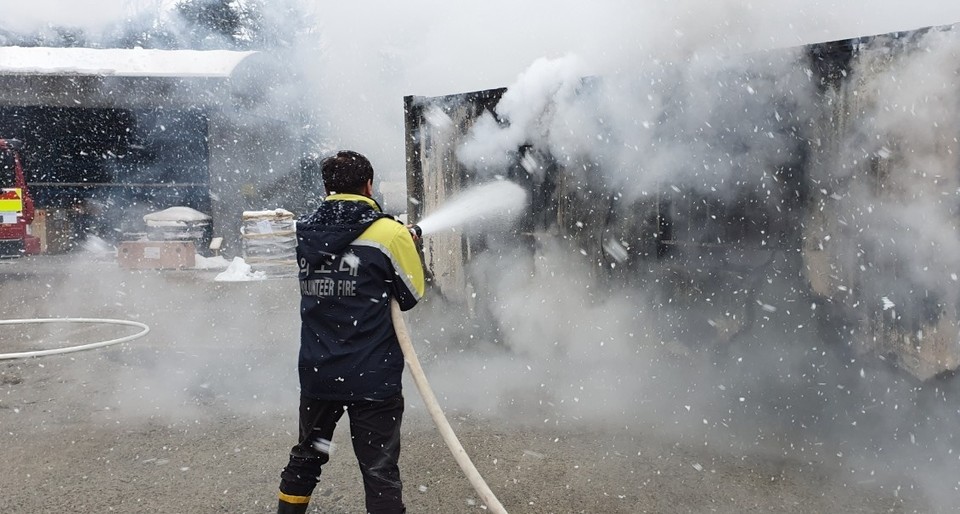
[273, 214]
[137, 62]
[176, 214]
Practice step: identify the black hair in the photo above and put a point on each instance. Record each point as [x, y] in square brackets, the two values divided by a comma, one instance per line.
[346, 172]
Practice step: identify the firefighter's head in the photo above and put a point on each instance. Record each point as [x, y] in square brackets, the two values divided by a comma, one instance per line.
[347, 172]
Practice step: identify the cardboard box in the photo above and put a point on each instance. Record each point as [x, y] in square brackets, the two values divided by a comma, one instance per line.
[157, 254]
[39, 228]
[59, 230]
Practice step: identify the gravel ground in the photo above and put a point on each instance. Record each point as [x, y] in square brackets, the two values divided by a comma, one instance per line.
[197, 416]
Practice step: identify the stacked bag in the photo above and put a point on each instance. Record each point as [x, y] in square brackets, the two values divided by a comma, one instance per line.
[269, 240]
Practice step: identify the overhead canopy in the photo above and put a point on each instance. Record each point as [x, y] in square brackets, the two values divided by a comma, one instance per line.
[132, 78]
[138, 62]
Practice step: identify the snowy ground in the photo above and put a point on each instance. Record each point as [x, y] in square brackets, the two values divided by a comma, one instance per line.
[198, 416]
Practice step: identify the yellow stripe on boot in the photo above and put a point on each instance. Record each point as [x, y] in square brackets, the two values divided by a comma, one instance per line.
[289, 498]
[290, 504]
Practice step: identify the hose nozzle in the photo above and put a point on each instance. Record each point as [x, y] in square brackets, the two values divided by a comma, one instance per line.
[415, 231]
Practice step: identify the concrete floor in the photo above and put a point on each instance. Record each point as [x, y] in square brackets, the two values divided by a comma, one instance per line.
[198, 415]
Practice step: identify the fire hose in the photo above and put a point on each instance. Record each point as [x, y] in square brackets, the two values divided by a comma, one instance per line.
[77, 348]
[433, 407]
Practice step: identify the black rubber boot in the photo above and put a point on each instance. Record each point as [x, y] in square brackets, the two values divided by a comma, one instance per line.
[291, 508]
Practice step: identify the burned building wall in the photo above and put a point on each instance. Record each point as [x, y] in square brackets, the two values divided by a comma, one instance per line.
[700, 182]
[629, 200]
[434, 127]
[882, 224]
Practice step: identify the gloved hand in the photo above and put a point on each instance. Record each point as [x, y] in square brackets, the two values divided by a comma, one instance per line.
[415, 232]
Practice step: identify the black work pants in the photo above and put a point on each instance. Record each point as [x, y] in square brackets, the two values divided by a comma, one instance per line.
[375, 432]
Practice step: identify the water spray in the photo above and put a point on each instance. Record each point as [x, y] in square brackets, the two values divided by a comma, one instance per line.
[479, 208]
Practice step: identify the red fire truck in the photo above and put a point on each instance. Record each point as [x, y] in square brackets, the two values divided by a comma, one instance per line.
[16, 206]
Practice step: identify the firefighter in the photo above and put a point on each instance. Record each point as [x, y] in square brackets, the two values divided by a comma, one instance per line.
[353, 259]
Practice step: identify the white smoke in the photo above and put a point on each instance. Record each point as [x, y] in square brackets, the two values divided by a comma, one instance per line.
[575, 353]
[361, 59]
[91, 16]
[719, 124]
[547, 85]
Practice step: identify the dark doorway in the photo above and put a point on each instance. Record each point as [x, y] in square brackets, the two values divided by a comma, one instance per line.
[109, 167]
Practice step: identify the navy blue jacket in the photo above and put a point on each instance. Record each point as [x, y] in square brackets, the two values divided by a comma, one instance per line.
[353, 259]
